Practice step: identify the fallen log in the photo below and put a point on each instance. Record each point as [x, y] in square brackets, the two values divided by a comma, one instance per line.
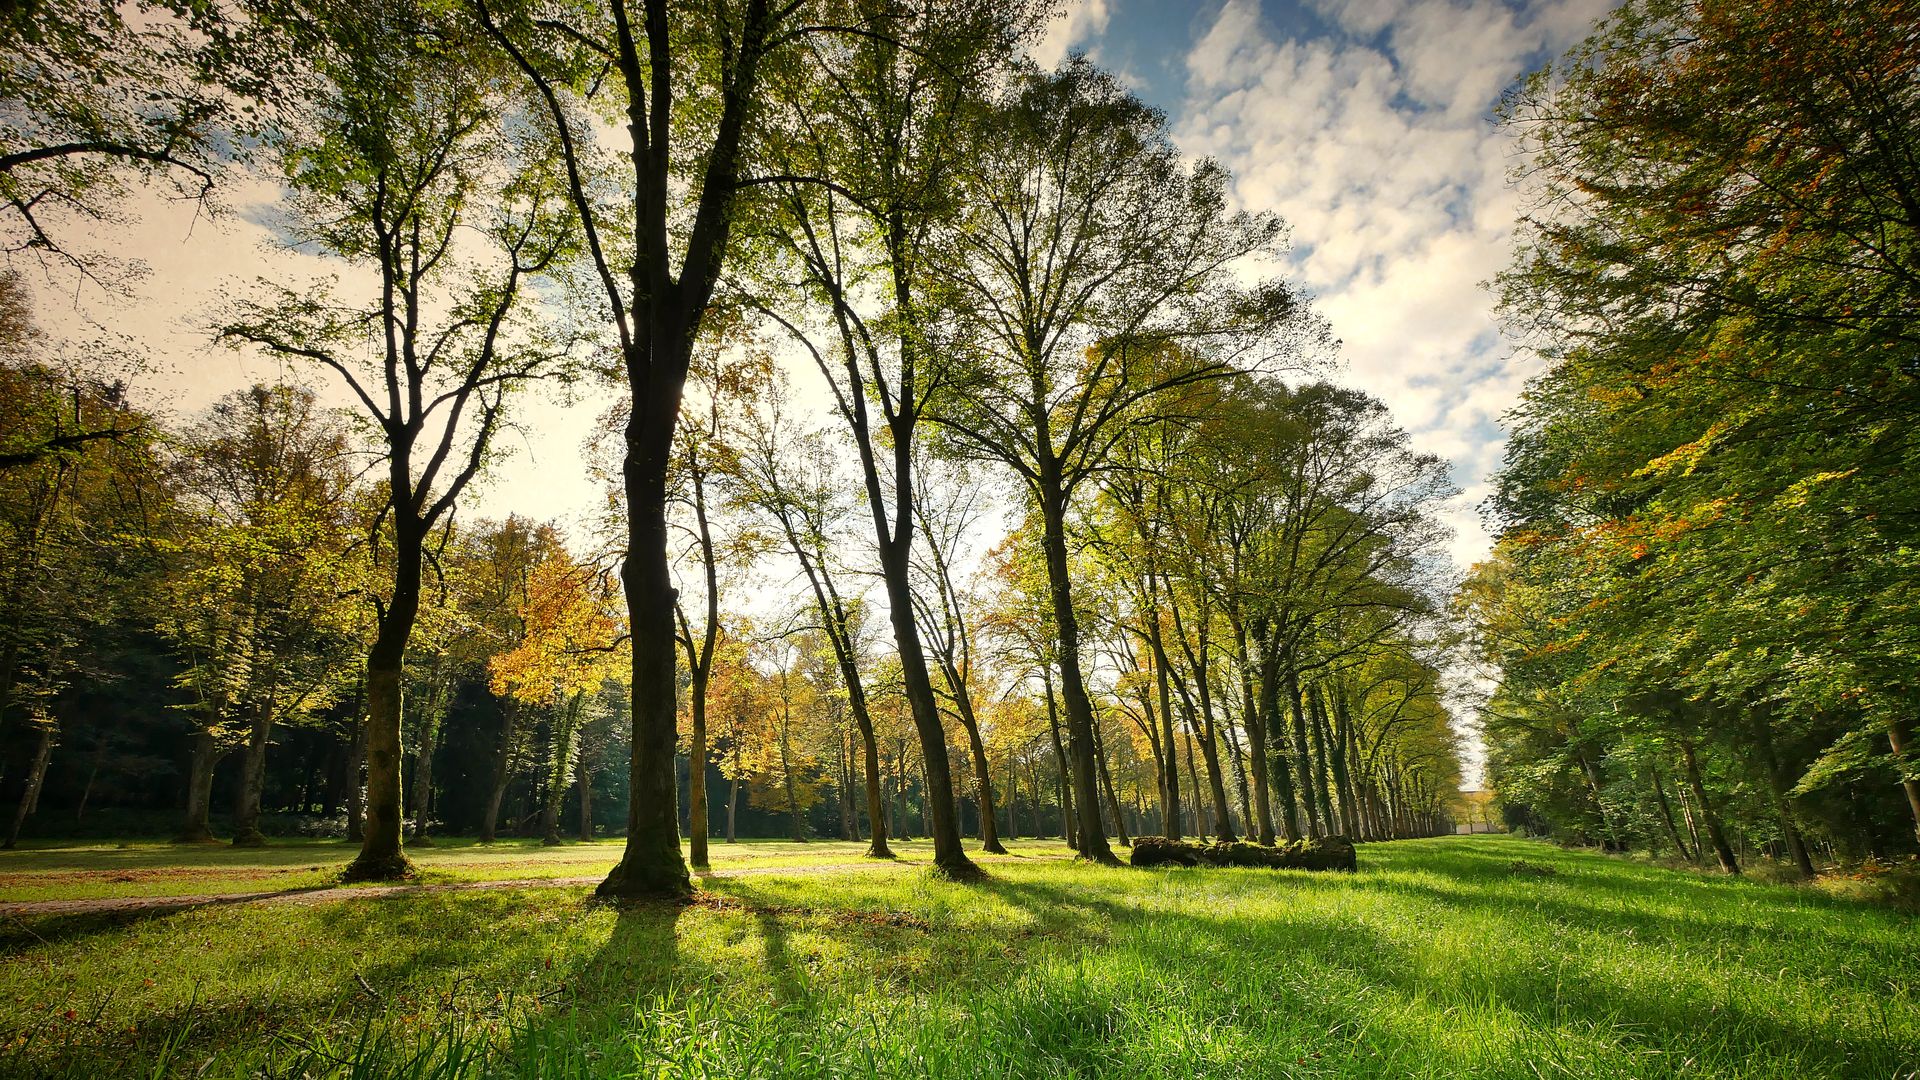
[1325, 853]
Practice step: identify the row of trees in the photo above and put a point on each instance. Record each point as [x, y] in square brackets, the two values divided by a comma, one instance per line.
[999, 275]
[230, 583]
[1702, 605]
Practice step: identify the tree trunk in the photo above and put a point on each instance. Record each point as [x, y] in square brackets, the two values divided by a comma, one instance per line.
[1699, 848]
[1106, 782]
[786, 773]
[982, 775]
[1216, 776]
[1609, 839]
[566, 733]
[356, 782]
[36, 775]
[1714, 832]
[1338, 730]
[253, 775]
[1170, 805]
[86, 792]
[1275, 752]
[849, 817]
[1063, 790]
[423, 785]
[1092, 836]
[949, 853]
[502, 768]
[1256, 721]
[733, 807]
[583, 781]
[1302, 757]
[1240, 784]
[1777, 785]
[697, 773]
[651, 864]
[1666, 816]
[1193, 785]
[1903, 760]
[1322, 790]
[381, 857]
[205, 754]
[876, 802]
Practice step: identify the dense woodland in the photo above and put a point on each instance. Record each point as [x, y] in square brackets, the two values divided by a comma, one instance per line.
[1702, 606]
[969, 480]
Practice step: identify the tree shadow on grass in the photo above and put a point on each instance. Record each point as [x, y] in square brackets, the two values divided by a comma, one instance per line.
[19, 933]
[1573, 999]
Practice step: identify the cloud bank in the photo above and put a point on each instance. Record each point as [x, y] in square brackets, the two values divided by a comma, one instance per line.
[1373, 140]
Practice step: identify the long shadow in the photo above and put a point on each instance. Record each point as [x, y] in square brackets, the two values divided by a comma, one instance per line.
[1646, 895]
[1571, 996]
[22, 931]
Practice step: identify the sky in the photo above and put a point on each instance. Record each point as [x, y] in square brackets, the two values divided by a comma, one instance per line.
[1366, 126]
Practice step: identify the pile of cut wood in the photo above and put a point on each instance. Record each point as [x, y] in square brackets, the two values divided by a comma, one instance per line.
[1324, 853]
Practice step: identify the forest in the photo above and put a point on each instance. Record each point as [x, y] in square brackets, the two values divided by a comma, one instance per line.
[1701, 606]
[979, 503]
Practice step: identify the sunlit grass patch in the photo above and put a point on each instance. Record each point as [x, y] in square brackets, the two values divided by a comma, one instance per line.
[1435, 960]
[100, 871]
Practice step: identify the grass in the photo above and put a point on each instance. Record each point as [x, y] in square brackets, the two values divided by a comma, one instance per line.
[1465, 956]
[96, 871]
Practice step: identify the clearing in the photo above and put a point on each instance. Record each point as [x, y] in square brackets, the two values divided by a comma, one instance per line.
[1462, 956]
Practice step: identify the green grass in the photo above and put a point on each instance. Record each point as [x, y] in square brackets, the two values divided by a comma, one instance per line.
[1468, 956]
[96, 871]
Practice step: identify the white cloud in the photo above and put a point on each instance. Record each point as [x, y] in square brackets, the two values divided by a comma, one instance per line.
[1375, 144]
[1078, 24]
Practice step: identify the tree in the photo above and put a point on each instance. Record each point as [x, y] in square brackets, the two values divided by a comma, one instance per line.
[705, 480]
[495, 568]
[259, 602]
[949, 510]
[792, 479]
[690, 81]
[400, 162]
[75, 518]
[869, 158]
[566, 652]
[1719, 273]
[1093, 264]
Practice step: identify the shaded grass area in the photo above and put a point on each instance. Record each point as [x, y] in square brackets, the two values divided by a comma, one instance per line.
[98, 871]
[1465, 956]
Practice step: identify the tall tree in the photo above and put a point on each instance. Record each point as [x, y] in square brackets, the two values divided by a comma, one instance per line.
[1096, 270]
[402, 164]
[949, 509]
[257, 603]
[690, 81]
[793, 480]
[869, 158]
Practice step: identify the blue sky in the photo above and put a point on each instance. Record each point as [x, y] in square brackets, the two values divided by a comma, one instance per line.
[1368, 126]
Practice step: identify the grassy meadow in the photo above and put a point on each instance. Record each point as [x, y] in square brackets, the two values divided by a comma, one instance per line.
[1456, 957]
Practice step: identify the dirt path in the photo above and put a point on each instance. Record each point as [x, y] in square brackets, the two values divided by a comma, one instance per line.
[103, 904]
